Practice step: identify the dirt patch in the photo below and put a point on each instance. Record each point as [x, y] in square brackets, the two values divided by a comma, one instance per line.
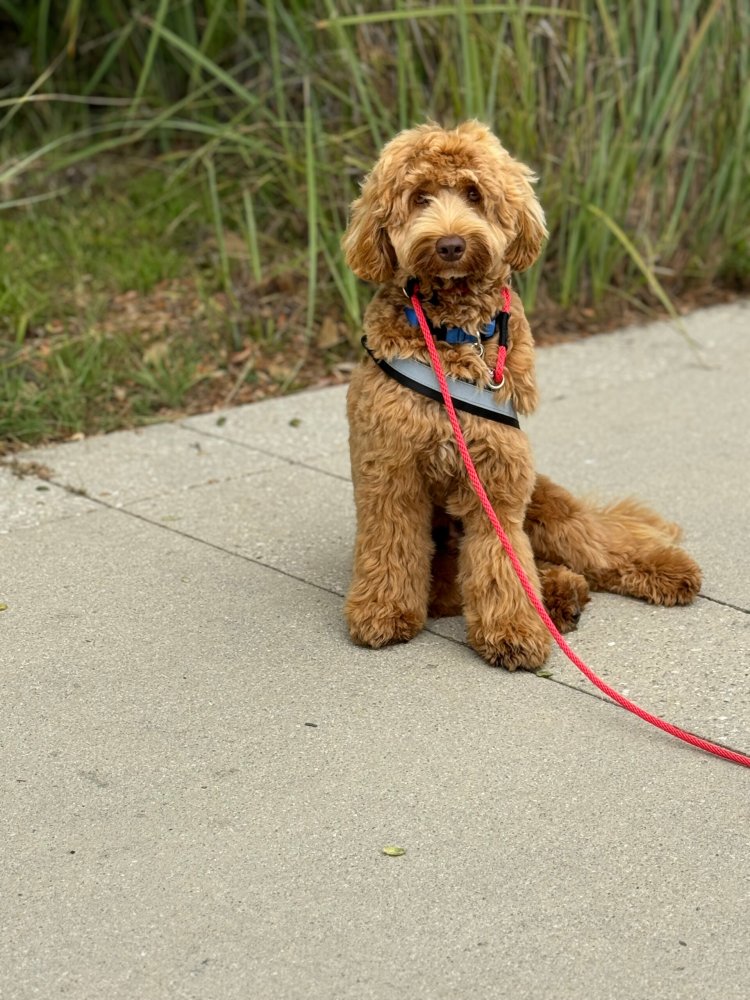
[253, 345]
[287, 360]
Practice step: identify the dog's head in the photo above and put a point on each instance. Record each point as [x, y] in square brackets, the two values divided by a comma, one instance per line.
[445, 204]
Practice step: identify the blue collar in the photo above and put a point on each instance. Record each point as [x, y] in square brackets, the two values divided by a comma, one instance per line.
[454, 334]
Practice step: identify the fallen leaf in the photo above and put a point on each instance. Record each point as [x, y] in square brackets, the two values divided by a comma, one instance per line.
[345, 367]
[156, 353]
[329, 334]
[241, 356]
[393, 852]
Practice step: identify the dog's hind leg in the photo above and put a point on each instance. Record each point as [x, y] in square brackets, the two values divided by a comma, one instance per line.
[445, 593]
[624, 548]
[563, 592]
[643, 559]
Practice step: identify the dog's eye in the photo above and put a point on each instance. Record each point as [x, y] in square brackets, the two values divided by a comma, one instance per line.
[420, 198]
[473, 195]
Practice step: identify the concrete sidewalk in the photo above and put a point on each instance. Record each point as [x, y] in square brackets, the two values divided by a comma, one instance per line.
[200, 771]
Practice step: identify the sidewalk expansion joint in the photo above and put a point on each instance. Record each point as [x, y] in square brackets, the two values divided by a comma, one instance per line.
[35, 470]
[209, 544]
[47, 477]
[269, 454]
[725, 604]
[541, 675]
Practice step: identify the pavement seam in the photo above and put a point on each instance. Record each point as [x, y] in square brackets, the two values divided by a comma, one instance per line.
[271, 454]
[327, 590]
[46, 476]
[725, 604]
[125, 510]
[594, 694]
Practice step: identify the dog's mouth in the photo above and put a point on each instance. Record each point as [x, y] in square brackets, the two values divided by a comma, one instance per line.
[448, 256]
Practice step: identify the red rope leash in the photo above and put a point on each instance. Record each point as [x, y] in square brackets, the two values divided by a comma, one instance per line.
[680, 734]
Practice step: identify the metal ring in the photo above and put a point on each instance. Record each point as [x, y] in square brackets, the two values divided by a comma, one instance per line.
[497, 385]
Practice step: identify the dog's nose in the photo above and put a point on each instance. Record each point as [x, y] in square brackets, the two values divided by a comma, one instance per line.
[450, 248]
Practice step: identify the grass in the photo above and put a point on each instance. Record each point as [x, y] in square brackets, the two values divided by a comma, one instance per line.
[207, 151]
[95, 329]
[116, 216]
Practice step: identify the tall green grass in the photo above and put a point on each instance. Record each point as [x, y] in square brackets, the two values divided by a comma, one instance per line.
[635, 115]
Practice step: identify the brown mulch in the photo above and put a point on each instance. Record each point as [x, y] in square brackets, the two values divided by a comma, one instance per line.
[288, 360]
[253, 345]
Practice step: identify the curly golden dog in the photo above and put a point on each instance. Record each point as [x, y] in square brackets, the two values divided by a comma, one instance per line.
[453, 212]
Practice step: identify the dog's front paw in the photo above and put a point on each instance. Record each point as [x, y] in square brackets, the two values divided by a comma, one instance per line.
[516, 645]
[380, 626]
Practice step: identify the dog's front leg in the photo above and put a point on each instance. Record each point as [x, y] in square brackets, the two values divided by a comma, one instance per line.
[501, 623]
[387, 600]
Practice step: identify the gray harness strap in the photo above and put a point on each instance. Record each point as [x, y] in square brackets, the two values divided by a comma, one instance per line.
[419, 376]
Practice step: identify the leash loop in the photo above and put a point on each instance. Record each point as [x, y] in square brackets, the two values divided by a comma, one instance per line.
[502, 342]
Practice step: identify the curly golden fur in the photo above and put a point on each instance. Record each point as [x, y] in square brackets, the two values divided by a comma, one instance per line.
[453, 209]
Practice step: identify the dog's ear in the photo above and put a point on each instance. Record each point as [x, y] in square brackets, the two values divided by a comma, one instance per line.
[367, 249]
[518, 209]
[531, 231]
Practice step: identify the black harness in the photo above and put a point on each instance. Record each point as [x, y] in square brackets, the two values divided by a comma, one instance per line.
[419, 376]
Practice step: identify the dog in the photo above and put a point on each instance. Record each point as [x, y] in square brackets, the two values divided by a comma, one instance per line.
[449, 215]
